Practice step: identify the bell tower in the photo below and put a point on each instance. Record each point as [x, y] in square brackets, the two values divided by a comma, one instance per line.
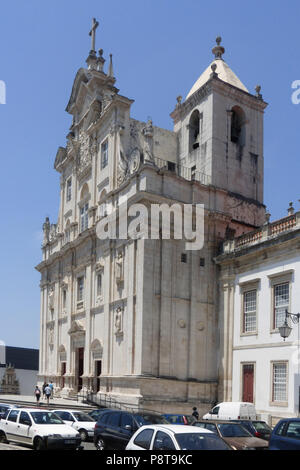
[220, 130]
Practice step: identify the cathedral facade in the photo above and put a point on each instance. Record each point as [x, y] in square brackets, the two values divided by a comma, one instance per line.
[136, 318]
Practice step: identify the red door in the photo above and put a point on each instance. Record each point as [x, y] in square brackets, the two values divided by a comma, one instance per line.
[248, 381]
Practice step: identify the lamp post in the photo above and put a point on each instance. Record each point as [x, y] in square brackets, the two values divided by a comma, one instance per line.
[285, 331]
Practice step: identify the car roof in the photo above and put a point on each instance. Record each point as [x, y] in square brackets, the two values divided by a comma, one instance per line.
[219, 421]
[30, 410]
[176, 428]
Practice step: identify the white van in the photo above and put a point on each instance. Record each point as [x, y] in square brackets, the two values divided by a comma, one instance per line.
[232, 410]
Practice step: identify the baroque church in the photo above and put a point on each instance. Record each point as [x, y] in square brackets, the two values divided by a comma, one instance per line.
[138, 319]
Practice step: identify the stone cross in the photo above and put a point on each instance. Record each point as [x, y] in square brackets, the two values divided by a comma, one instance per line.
[93, 32]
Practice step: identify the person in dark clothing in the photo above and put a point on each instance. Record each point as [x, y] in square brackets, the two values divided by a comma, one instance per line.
[37, 393]
[195, 413]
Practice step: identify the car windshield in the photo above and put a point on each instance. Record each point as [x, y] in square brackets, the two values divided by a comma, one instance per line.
[82, 416]
[259, 426]
[199, 441]
[46, 417]
[149, 418]
[233, 430]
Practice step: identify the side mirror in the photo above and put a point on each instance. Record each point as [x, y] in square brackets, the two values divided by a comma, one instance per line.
[128, 427]
[27, 422]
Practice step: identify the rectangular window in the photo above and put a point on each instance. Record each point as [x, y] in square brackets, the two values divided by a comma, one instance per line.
[64, 298]
[80, 288]
[84, 217]
[69, 189]
[281, 303]
[249, 303]
[279, 382]
[99, 285]
[104, 154]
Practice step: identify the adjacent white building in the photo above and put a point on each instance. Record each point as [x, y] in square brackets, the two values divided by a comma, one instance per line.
[18, 370]
[259, 281]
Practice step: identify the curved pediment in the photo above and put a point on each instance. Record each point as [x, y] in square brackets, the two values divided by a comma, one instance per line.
[81, 79]
[76, 327]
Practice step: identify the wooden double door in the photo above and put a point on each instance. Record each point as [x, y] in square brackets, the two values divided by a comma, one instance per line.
[248, 383]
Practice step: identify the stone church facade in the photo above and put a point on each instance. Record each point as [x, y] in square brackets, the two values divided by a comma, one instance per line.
[137, 319]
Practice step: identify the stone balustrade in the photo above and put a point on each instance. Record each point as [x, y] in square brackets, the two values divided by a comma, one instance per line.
[267, 231]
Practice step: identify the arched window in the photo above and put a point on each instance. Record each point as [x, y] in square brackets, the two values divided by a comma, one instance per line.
[102, 202]
[238, 121]
[194, 130]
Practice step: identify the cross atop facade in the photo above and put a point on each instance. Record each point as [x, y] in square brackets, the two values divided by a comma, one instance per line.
[92, 33]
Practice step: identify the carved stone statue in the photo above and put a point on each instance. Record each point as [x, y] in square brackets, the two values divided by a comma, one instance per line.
[46, 231]
[122, 162]
[118, 321]
[147, 132]
[51, 299]
[119, 268]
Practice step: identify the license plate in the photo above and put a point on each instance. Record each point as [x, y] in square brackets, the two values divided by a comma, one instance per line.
[69, 441]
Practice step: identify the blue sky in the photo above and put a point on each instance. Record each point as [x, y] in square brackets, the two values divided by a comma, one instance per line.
[159, 48]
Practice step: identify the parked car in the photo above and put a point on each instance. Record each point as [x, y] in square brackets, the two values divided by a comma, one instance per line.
[82, 422]
[180, 419]
[114, 428]
[94, 414]
[175, 437]
[232, 410]
[257, 428]
[234, 434]
[286, 435]
[4, 409]
[39, 428]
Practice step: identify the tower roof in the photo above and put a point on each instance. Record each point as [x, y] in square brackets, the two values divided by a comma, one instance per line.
[223, 70]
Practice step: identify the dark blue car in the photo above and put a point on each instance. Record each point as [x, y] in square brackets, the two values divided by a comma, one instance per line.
[286, 435]
[179, 419]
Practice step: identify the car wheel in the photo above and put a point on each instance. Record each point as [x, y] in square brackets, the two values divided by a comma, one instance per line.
[3, 438]
[83, 435]
[100, 444]
[39, 444]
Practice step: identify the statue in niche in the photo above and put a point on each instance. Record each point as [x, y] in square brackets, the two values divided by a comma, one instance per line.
[118, 321]
[147, 132]
[122, 162]
[51, 299]
[119, 268]
[51, 337]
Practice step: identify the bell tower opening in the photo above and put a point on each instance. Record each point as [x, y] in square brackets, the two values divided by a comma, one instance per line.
[194, 130]
[238, 126]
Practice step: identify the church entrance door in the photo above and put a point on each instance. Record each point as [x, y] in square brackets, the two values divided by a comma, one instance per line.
[80, 359]
[98, 367]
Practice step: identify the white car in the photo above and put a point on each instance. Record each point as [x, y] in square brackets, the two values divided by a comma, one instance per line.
[80, 421]
[39, 428]
[175, 437]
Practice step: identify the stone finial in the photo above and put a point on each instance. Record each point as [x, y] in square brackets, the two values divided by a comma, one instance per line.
[110, 68]
[213, 68]
[100, 60]
[291, 209]
[267, 217]
[258, 94]
[218, 50]
[179, 99]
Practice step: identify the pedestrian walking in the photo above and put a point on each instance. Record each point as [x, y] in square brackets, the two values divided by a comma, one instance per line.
[47, 393]
[195, 413]
[52, 389]
[37, 394]
[44, 386]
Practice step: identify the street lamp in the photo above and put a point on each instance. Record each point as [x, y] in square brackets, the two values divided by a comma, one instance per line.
[285, 329]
